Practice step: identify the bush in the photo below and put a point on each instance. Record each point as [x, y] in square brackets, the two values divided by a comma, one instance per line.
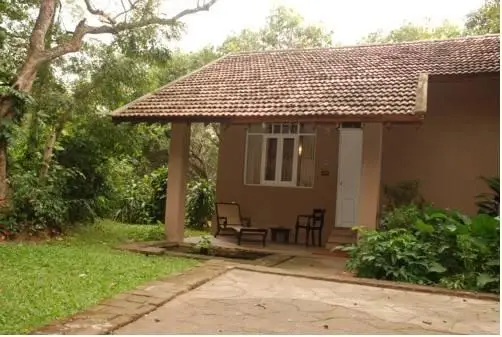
[441, 247]
[401, 217]
[392, 255]
[37, 205]
[135, 205]
[402, 194]
[143, 201]
[489, 203]
[158, 184]
[200, 203]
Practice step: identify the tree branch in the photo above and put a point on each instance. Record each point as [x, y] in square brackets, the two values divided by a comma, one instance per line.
[126, 10]
[42, 25]
[198, 165]
[75, 43]
[94, 11]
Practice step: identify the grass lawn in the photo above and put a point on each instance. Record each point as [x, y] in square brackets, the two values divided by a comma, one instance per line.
[45, 281]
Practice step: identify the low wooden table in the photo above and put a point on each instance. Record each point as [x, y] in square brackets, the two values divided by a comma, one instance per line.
[284, 232]
[260, 232]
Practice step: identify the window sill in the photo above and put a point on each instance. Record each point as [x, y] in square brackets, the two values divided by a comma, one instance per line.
[280, 186]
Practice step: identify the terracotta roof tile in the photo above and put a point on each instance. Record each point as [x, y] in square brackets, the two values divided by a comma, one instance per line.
[361, 80]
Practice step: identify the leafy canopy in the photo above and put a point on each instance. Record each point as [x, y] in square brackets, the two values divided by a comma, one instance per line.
[284, 29]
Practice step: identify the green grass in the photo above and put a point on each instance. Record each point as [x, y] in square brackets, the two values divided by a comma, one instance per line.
[45, 281]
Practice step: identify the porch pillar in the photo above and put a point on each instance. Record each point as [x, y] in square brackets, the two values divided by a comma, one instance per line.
[176, 183]
[369, 195]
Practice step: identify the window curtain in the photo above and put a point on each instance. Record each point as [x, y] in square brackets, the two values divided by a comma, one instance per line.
[306, 161]
[253, 163]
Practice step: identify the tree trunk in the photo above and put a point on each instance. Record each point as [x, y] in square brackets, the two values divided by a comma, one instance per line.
[49, 147]
[4, 184]
[23, 82]
[5, 112]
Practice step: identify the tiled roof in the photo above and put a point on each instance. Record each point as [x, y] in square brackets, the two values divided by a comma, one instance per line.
[346, 81]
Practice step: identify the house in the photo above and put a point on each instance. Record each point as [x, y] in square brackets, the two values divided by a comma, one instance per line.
[328, 128]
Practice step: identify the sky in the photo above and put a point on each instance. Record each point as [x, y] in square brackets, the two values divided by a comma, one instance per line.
[350, 20]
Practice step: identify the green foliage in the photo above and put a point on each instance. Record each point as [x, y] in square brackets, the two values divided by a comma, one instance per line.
[489, 203]
[414, 32]
[37, 206]
[484, 20]
[19, 104]
[108, 233]
[403, 193]
[136, 202]
[284, 29]
[200, 203]
[204, 244]
[158, 184]
[143, 200]
[95, 168]
[441, 247]
[401, 217]
[85, 147]
[393, 255]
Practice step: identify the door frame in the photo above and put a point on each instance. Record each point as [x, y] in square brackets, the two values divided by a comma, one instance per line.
[342, 131]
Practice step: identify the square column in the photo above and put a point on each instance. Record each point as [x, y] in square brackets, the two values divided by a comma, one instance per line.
[369, 193]
[176, 183]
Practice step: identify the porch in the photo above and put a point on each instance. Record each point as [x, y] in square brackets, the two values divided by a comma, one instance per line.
[344, 176]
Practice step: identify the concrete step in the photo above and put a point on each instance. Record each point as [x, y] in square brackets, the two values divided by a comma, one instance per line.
[330, 245]
[342, 239]
[347, 232]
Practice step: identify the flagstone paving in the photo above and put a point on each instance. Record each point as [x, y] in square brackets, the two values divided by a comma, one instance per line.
[243, 301]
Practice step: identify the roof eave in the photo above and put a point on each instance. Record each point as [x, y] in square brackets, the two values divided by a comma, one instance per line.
[367, 118]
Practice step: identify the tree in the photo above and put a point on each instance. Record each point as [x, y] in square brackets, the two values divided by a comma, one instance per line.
[485, 20]
[284, 29]
[48, 41]
[413, 32]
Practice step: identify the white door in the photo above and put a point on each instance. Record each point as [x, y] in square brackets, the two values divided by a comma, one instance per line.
[349, 176]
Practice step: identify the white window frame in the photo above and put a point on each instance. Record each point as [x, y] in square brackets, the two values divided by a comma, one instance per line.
[279, 156]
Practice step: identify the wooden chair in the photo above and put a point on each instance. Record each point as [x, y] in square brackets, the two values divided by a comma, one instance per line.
[312, 223]
[228, 216]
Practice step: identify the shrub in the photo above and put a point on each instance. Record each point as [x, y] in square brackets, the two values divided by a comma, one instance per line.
[135, 206]
[8, 226]
[159, 188]
[204, 244]
[401, 217]
[402, 194]
[37, 205]
[200, 203]
[143, 201]
[489, 203]
[441, 247]
[392, 255]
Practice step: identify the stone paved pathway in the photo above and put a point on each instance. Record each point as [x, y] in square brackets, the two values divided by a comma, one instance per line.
[241, 301]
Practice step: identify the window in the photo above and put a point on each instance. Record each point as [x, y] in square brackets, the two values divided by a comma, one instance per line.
[280, 155]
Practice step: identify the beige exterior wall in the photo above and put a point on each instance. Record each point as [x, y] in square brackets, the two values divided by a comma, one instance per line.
[458, 141]
[278, 206]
